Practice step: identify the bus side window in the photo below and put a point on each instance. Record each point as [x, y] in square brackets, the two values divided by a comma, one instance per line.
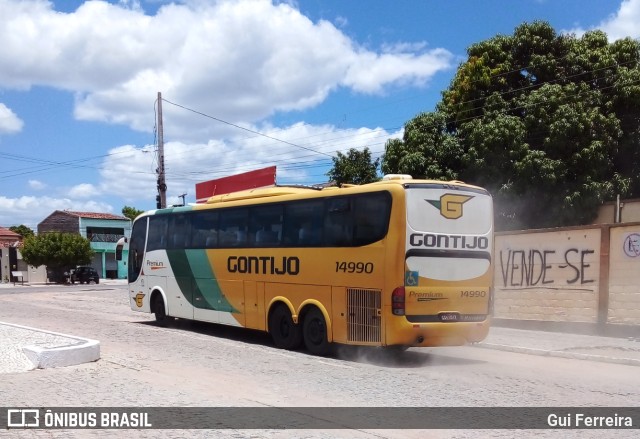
[227, 238]
[371, 217]
[305, 234]
[233, 227]
[338, 229]
[265, 225]
[157, 232]
[303, 224]
[179, 231]
[211, 240]
[266, 237]
[204, 229]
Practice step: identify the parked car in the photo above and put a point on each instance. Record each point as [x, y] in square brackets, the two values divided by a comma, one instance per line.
[85, 275]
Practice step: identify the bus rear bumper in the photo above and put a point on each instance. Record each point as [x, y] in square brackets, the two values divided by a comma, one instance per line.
[438, 334]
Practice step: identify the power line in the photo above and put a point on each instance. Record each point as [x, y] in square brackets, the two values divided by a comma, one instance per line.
[46, 165]
[243, 128]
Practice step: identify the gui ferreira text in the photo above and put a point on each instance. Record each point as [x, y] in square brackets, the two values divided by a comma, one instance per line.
[582, 420]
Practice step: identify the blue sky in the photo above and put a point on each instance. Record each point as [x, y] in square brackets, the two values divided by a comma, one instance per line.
[79, 81]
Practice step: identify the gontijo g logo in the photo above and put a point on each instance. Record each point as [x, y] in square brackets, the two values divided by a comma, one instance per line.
[450, 205]
[139, 300]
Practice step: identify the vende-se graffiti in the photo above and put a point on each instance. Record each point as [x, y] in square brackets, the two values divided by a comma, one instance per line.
[533, 267]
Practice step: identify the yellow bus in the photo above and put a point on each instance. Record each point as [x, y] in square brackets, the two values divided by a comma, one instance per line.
[396, 263]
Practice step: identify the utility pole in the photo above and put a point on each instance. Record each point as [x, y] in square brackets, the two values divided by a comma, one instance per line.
[162, 185]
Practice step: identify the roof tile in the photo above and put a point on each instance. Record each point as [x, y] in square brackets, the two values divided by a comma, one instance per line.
[96, 215]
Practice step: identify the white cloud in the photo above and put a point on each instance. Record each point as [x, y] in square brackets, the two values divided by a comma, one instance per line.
[129, 172]
[30, 210]
[37, 185]
[370, 72]
[236, 60]
[84, 190]
[9, 122]
[623, 23]
[240, 61]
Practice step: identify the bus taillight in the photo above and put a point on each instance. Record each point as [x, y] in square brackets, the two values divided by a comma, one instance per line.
[397, 301]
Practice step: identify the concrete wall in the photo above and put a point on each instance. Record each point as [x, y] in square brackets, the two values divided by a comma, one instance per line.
[629, 212]
[624, 275]
[30, 273]
[587, 274]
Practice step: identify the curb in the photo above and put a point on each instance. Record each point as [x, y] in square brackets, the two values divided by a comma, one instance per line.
[560, 354]
[79, 350]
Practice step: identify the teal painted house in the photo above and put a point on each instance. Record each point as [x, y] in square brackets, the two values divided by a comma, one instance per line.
[103, 231]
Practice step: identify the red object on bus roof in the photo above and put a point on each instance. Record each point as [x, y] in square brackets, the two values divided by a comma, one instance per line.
[248, 180]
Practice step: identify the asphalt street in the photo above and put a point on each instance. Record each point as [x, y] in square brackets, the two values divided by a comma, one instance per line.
[545, 343]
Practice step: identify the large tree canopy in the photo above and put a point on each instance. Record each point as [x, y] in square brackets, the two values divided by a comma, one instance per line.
[58, 251]
[549, 123]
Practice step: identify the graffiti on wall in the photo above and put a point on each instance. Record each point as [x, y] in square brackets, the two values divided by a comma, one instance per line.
[526, 268]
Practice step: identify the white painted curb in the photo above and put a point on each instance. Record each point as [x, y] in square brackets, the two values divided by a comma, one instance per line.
[79, 350]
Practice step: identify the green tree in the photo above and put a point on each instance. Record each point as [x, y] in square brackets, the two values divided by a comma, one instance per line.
[60, 252]
[427, 150]
[131, 212]
[355, 167]
[549, 123]
[22, 230]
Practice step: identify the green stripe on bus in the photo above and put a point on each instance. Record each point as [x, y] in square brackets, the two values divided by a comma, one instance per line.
[197, 281]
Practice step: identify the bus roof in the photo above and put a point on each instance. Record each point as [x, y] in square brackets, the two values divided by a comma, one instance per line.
[275, 191]
[281, 191]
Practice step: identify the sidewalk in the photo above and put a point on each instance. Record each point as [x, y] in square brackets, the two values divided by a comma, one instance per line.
[14, 339]
[565, 345]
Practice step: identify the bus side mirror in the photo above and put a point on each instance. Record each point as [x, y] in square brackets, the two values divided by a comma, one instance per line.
[119, 246]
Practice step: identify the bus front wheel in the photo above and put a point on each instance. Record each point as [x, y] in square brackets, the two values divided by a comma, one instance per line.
[159, 311]
[315, 332]
[285, 333]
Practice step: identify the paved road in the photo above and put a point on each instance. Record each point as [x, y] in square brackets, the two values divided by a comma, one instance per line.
[209, 365]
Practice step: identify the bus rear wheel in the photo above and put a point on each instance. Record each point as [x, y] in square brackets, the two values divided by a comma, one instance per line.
[285, 333]
[315, 333]
[158, 309]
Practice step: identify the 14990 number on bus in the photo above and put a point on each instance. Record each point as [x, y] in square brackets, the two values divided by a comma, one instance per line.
[354, 267]
[473, 293]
